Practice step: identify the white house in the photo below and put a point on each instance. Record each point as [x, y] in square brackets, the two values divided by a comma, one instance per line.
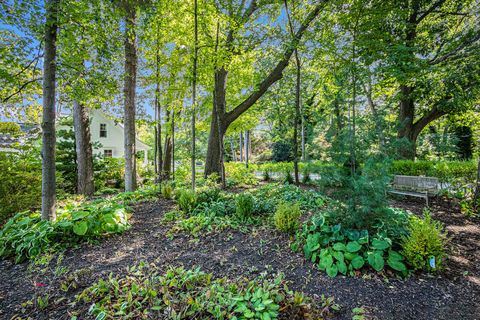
[103, 129]
[110, 135]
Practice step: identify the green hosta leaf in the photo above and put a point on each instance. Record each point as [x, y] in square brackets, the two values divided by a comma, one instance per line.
[339, 246]
[338, 255]
[375, 259]
[332, 270]
[80, 215]
[380, 244]
[326, 262]
[352, 235]
[394, 256]
[357, 262]
[353, 246]
[342, 267]
[318, 221]
[396, 265]
[80, 228]
[349, 255]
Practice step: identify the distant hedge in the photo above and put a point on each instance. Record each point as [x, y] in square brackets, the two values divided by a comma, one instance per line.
[446, 171]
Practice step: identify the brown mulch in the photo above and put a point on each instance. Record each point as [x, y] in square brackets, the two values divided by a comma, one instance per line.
[454, 294]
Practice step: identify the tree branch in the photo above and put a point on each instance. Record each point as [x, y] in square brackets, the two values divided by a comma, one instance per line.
[276, 73]
[430, 116]
[430, 10]
[20, 89]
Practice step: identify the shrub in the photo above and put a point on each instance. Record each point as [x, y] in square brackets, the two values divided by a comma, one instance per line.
[109, 172]
[238, 174]
[244, 205]
[186, 199]
[21, 183]
[12, 128]
[287, 217]
[166, 188]
[424, 247]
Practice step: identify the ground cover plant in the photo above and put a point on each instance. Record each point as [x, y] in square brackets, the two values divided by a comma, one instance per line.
[179, 293]
[26, 235]
[211, 209]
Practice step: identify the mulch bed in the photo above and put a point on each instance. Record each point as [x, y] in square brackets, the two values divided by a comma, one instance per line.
[454, 294]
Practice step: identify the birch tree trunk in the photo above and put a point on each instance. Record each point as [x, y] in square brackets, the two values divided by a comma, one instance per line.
[48, 120]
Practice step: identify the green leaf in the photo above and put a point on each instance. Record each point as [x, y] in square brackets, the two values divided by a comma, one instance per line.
[380, 244]
[80, 228]
[342, 267]
[375, 260]
[338, 255]
[332, 270]
[349, 255]
[326, 261]
[357, 262]
[394, 256]
[353, 246]
[339, 246]
[397, 265]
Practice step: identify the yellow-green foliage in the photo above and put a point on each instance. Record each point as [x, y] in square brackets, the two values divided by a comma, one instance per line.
[287, 217]
[426, 240]
[10, 128]
[244, 205]
[167, 190]
[186, 199]
[239, 175]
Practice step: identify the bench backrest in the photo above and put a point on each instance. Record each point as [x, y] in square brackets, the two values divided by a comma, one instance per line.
[416, 183]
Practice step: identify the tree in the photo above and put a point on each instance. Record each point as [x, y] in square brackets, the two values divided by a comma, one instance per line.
[194, 88]
[129, 94]
[48, 120]
[297, 101]
[431, 50]
[83, 146]
[221, 119]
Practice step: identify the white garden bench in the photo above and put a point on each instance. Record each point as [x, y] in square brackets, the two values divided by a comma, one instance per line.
[414, 186]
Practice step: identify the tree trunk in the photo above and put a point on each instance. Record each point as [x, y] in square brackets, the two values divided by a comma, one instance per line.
[232, 147]
[297, 101]
[173, 145]
[406, 116]
[194, 89]
[476, 196]
[221, 120]
[158, 119]
[129, 92]
[241, 147]
[83, 148]
[167, 156]
[247, 147]
[48, 121]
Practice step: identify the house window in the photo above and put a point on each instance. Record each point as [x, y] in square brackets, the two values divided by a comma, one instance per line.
[107, 153]
[103, 130]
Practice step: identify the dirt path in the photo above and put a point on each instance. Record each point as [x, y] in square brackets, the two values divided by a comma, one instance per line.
[454, 295]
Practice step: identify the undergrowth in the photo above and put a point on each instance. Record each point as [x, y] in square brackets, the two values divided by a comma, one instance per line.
[179, 293]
